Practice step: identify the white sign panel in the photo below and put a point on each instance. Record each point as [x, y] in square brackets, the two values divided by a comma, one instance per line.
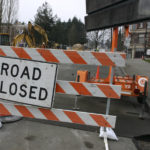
[148, 52]
[26, 81]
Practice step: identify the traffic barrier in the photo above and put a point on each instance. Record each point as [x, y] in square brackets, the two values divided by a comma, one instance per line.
[59, 115]
[51, 56]
[88, 89]
[65, 56]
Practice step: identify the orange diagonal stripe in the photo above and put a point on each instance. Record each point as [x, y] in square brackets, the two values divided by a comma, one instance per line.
[59, 89]
[103, 59]
[49, 114]
[21, 53]
[48, 56]
[100, 120]
[75, 57]
[74, 117]
[3, 110]
[123, 55]
[2, 53]
[24, 111]
[81, 89]
[108, 91]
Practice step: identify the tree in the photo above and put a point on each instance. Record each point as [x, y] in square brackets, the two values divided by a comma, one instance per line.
[65, 33]
[11, 9]
[76, 32]
[98, 38]
[1, 12]
[108, 43]
[94, 38]
[120, 44]
[45, 19]
[8, 12]
[60, 31]
[73, 35]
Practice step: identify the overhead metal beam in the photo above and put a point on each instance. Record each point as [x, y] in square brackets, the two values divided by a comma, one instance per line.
[95, 5]
[127, 12]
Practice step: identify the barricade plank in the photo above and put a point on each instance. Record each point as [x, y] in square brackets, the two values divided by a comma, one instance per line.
[65, 56]
[88, 89]
[58, 115]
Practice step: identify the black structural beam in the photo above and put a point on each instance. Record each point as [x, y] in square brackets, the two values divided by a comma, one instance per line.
[122, 13]
[95, 5]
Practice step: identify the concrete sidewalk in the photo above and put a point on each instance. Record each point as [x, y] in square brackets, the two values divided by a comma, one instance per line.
[30, 135]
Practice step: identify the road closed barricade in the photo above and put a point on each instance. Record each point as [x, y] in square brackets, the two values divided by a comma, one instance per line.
[28, 83]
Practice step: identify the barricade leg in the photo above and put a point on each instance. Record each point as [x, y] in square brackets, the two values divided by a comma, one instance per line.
[107, 113]
[76, 103]
[106, 141]
[110, 79]
[141, 115]
[76, 98]
[108, 100]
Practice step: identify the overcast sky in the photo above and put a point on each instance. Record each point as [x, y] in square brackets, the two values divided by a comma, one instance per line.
[64, 9]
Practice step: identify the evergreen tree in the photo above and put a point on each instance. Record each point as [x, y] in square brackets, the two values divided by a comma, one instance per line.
[45, 19]
[65, 33]
[76, 33]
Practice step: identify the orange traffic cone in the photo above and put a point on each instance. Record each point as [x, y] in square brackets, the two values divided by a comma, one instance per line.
[97, 73]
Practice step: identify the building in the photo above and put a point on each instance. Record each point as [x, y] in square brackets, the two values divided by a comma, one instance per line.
[12, 30]
[140, 39]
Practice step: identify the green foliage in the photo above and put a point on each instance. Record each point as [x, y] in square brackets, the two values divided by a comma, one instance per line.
[76, 32]
[65, 33]
[45, 19]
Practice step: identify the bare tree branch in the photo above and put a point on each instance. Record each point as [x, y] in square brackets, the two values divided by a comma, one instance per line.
[11, 9]
[1, 12]
[98, 38]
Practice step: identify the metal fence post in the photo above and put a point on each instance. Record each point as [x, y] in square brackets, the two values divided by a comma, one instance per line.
[76, 97]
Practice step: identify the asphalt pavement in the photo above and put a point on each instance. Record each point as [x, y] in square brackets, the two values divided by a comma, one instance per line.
[30, 135]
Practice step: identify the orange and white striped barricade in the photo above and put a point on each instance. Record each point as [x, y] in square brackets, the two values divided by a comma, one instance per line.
[65, 57]
[59, 115]
[32, 58]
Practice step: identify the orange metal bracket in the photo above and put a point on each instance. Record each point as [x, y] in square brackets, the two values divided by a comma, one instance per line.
[114, 47]
[115, 39]
[127, 31]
